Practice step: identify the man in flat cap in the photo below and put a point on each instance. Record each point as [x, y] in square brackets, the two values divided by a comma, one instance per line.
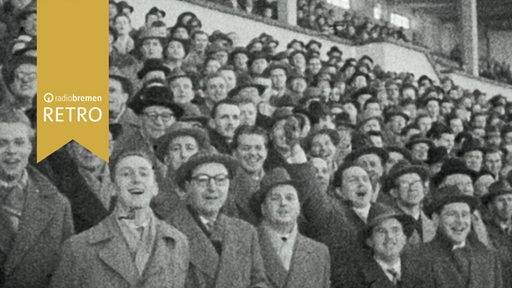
[290, 259]
[224, 251]
[382, 262]
[452, 259]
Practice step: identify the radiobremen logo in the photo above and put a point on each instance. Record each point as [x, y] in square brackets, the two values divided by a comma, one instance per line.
[72, 76]
[71, 113]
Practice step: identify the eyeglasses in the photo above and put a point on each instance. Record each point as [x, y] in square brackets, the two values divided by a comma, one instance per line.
[406, 185]
[166, 117]
[202, 180]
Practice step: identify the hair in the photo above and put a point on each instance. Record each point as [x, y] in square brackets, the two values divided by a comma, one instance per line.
[198, 32]
[9, 115]
[143, 154]
[222, 102]
[249, 130]
[121, 15]
[338, 175]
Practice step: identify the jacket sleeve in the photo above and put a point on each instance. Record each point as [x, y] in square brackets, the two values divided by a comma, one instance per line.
[66, 275]
[258, 275]
[497, 271]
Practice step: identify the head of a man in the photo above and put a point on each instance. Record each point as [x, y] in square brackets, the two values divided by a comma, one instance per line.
[372, 164]
[355, 185]
[493, 161]
[251, 148]
[156, 120]
[281, 207]
[134, 179]
[207, 188]
[278, 77]
[387, 239]
[226, 118]
[16, 135]
[22, 79]
[454, 221]
[463, 181]
[501, 206]
[118, 96]
[216, 88]
[409, 190]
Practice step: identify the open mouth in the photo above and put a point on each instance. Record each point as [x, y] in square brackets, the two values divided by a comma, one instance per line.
[11, 161]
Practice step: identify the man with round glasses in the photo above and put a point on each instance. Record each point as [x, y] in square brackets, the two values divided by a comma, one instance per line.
[406, 183]
[224, 251]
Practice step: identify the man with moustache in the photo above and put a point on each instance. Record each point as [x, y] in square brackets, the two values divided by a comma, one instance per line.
[34, 217]
[224, 251]
[451, 259]
[226, 118]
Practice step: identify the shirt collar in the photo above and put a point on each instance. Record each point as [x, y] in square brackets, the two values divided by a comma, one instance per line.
[363, 212]
[385, 266]
[460, 245]
[277, 237]
[21, 182]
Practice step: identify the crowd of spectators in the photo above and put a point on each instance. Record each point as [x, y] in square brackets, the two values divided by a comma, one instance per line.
[256, 165]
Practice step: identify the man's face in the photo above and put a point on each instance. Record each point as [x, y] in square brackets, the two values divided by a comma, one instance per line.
[230, 77]
[371, 125]
[446, 140]
[409, 94]
[278, 77]
[182, 89]
[15, 148]
[29, 24]
[122, 25]
[456, 125]
[462, 181]
[216, 89]
[85, 158]
[251, 152]
[502, 207]
[473, 160]
[117, 98]
[156, 120]
[181, 149]
[208, 188]
[396, 124]
[393, 92]
[248, 114]
[507, 138]
[281, 206]
[259, 65]
[322, 146]
[446, 108]
[212, 66]
[227, 119]
[360, 82]
[25, 81]
[175, 50]
[387, 239]
[493, 162]
[135, 182]
[373, 166]
[357, 187]
[454, 221]
[299, 61]
[425, 123]
[410, 190]
[373, 109]
[315, 65]
[299, 85]
[493, 139]
[200, 42]
[321, 172]
[480, 121]
[240, 60]
[419, 151]
[152, 49]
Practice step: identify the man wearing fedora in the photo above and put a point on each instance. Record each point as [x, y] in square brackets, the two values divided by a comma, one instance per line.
[290, 259]
[224, 251]
[382, 262]
[455, 172]
[499, 225]
[120, 90]
[407, 185]
[452, 259]
[472, 152]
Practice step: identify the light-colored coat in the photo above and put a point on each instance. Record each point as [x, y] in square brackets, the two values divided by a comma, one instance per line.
[46, 222]
[310, 266]
[99, 257]
[238, 266]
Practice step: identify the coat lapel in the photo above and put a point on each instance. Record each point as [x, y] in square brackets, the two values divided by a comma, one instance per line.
[114, 251]
[429, 229]
[160, 257]
[202, 253]
[299, 266]
[37, 213]
[273, 266]
[373, 274]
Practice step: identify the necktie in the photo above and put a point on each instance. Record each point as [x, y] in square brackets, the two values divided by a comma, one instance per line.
[394, 275]
[209, 226]
[462, 262]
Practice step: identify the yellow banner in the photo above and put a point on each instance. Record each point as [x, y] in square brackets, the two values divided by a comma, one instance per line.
[72, 75]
